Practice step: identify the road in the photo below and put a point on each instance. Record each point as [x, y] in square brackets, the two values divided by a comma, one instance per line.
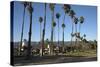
[21, 61]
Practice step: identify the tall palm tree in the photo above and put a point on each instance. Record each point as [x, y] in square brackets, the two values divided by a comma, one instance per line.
[76, 21]
[66, 8]
[40, 20]
[81, 22]
[52, 6]
[25, 5]
[43, 33]
[58, 16]
[63, 26]
[72, 14]
[30, 9]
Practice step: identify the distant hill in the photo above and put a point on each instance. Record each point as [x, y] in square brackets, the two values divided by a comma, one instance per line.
[37, 45]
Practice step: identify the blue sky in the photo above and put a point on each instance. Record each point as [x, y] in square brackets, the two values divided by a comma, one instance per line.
[89, 27]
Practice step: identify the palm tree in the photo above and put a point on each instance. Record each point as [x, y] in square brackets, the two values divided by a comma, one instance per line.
[52, 6]
[63, 26]
[25, 5]
[43, 33]
[58, 16]
[30, 9]
[40, 20]
[81, 22]
[76, 21]
[72, 14]
[66, 8]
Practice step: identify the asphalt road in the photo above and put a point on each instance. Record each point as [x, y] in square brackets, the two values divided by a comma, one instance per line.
[21, 61]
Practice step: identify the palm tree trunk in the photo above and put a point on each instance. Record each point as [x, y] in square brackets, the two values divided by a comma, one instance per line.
[40, 31]
[76, 34]
[71, 35]
[29, 40]
[80, 27]
[63, 33]
[54, 37]
[58, 31]
[22, 33]
[63, 40]
[80, 34]
[52, 30]
[52, 41]
[40, 39]
[43, 35]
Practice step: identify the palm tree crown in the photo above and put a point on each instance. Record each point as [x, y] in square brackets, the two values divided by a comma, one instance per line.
[66, 8]
[57, 15]
[75, 20]
[72, 34]
[40, 19]
[51, 6]
[63, 25]
[25, 4]
[71, 13]
[81, 19]
[30, 8]
[84, 35]
[54, 24]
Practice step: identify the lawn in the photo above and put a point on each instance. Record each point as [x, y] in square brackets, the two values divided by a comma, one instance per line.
[86, 53]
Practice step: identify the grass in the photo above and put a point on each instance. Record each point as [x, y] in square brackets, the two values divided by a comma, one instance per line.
[86, 53]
